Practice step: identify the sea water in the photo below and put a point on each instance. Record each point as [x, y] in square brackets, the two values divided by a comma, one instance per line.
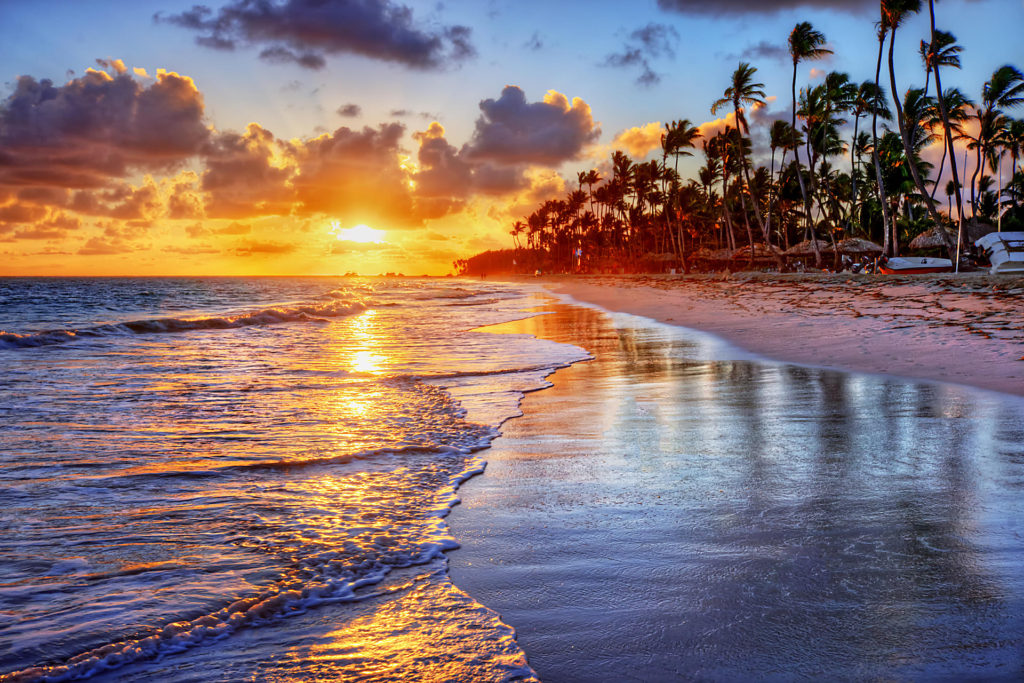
[229, 478]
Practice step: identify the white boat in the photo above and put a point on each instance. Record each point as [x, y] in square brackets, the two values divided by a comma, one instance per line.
[910, 265]
[1005, 251]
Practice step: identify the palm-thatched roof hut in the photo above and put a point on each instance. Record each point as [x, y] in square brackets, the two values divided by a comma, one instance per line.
[761, 252]
[858, 246]
[932, 239]
[806, 248]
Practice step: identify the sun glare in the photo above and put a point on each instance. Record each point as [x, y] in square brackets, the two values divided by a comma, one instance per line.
[357, 233]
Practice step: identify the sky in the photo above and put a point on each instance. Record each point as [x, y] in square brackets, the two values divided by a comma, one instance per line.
[255, 137]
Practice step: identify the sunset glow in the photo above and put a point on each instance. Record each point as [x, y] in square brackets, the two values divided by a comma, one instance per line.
[363, 234]
[131, 146]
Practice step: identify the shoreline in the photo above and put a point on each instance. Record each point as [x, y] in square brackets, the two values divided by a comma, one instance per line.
[966, 329]
[662, 513]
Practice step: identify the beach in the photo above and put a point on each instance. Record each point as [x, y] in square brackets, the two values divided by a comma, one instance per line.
[964, 329]
[681, 508]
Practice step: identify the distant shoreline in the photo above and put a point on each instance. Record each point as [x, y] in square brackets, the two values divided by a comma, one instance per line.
[965, 329]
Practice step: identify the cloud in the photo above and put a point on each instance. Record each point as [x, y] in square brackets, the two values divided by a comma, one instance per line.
[97, 127]
[648, 42]
[354, 176]
[305, 32]
[97, 246]
[512, 130]
[721, 7]
[766, 50]
[534, 43]
[350, 110]
[639, 141]
[243, 176]
[256, 248]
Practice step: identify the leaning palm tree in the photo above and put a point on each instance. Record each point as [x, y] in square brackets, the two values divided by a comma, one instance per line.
[894, 12]
[805, 43]
[887, 224]
[743, 92]
[944, 112]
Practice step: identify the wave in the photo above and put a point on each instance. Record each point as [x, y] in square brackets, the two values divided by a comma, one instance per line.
[327, 579]
[267, 316]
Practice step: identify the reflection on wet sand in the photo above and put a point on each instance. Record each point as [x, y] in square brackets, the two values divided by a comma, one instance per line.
[657, 514]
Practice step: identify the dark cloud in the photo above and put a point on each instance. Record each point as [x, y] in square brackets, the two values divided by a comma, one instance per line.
[512, 130]
[403, 113]
[306, 31]
[350, 110]
[534, 43]
[720, 7]
[97, 127]
[282, 55]
[766, 50]
[646, 43]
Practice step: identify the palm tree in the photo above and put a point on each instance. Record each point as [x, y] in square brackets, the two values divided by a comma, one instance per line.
[887, 225]
[870, 99]
[1005, 90]
[948, 130]
[1015, 142]
[957, 113]
[893, 14]
[805, 43]
[781, 135]
[743, 92]
[679, 137]
[941, 51]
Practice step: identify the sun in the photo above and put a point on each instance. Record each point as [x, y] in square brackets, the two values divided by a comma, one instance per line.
[357, 233]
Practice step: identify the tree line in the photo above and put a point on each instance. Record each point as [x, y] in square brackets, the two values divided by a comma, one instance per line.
[818, 186]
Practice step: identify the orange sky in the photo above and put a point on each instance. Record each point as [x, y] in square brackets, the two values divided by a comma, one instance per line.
[208, 145]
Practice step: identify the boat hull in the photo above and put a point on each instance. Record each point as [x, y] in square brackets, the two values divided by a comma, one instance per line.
[910, 265]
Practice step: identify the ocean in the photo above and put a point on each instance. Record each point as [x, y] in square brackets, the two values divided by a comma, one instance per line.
[246, 479]
[238, 478]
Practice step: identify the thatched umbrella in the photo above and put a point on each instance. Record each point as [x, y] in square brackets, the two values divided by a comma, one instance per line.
[856, 246]
[711, 254]
[806, 248]
[761, 252]
[932, 239]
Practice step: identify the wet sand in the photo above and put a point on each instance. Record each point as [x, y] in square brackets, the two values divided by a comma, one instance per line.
[966, 329]
[676, 510]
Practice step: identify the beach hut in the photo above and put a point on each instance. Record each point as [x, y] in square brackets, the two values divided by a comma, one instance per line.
[806, 248]
[705, 258]
[758, 254]
[761, 252]
[931, 239]
[855, 246]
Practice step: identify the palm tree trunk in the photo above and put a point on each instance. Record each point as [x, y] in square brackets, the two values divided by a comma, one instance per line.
[853, 173]
[800, 176]
[950, 142]
[882, 199]
[905, 136]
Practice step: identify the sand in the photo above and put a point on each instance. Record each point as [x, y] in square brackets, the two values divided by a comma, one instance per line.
[965, 329]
